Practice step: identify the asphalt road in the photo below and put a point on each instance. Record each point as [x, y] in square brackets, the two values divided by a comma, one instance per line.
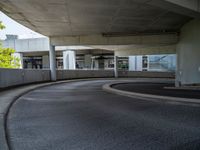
[80, 116]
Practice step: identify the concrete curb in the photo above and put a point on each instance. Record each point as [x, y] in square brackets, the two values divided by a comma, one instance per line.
[9, 97]
[149, 97]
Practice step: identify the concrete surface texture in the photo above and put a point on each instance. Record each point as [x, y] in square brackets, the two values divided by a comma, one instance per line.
[156, 44]
[12, 77]
[80, 115]
[109, 42]
[89, 17]
[28, 45]
[188, 64]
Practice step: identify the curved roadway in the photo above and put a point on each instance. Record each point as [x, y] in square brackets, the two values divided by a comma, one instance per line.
[81, 116]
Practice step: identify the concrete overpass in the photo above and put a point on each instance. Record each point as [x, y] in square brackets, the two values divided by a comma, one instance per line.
[145, 26]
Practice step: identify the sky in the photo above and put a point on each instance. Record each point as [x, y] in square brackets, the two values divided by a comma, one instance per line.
[12, 27]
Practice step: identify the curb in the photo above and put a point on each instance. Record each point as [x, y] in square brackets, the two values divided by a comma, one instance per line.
[9, 97]
[148, 97]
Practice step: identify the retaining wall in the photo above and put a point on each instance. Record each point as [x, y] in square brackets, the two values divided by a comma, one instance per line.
[76, 74]
[12, 77]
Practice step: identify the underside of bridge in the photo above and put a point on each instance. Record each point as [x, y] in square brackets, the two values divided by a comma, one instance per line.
[126, 26]
[89, 17]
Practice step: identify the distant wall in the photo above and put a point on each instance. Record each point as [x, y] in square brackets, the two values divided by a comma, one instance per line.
[12, 77]
[28, 45]
[73, 74]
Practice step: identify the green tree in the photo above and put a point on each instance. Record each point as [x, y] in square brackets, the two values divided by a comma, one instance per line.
[7, 59]
[1, 25]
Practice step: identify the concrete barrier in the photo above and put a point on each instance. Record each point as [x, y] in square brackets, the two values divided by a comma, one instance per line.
[75, 74]
[12, 77]
[145, 74]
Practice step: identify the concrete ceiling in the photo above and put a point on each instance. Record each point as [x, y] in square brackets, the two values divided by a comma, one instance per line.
[86, 17]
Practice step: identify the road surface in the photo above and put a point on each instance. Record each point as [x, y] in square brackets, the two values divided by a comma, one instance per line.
[81, 116]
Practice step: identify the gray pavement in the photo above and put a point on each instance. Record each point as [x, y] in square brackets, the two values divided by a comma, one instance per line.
[81, 116]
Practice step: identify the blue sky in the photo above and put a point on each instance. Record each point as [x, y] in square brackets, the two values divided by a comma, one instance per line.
[12, 27]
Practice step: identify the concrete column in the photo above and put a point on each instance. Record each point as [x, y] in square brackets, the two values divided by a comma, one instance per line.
[52, 60]
[45, 62]
[132, 63]
[88, 61]
[188, 55]
[135, 63]
[101, 63]
[20, 57]
[116, 66]
[69, 60]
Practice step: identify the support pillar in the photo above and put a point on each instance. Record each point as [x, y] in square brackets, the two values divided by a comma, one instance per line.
[52, 60]
[69, 60]
[45, 62]
[188, 54]
[116, 66]
[101, 63]
[20, 57]
[88, 61]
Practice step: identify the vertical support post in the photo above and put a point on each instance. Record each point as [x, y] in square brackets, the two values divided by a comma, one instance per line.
[116, 66]
[52, 60]
[178, 72]
[88, 61]
[20, 57]
[69, 60]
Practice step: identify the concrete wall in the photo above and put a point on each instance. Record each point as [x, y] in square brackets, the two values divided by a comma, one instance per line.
[147, 74]
[73, 74]
[188, 54]
[28, 45]
[11, 77]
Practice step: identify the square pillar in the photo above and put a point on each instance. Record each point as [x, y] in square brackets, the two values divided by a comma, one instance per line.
[20, 57]
[116, 66]
[69, 60]
[52, 60]
[45, 62]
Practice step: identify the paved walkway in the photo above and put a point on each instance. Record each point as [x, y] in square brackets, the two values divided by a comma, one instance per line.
[81, 116]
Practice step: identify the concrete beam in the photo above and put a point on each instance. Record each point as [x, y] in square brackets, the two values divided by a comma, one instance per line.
[189, 8]
[150, 50]
[114, 40]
